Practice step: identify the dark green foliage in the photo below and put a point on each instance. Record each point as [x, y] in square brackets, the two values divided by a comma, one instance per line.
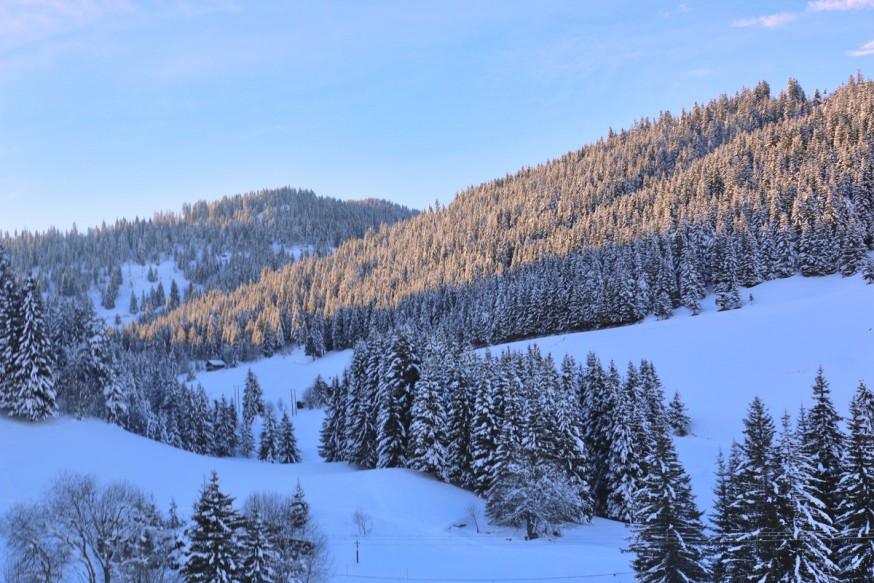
[668, 538]
[214, 553]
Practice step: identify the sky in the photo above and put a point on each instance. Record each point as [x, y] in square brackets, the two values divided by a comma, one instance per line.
[122, 108]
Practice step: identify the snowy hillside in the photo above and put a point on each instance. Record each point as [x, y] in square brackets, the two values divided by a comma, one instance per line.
[718, 361]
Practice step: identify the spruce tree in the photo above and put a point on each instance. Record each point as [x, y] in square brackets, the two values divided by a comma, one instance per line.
[427, 429]
[726, 558]
[678, 419]
[755, 504]
[805, 531]
[257, 553]
[823, 443]
[9, 311]
[855, 555]
[486, 423]
[214, 553]
[32, 394]
[288, 452]
[253, 398]
[668, 537]
[332, 437]
[267, 447]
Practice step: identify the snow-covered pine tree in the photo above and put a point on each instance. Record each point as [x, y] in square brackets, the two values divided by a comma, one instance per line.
[678, 419]
[214, 553]
[267, 447]
[755, 505]
[726, 274]
[32, 380]
[9, 320]
[253, 398]
[427, 429]
[246, 440]
[286, 443]
[805, 530]
[300, 510]
[486, 423]
[200, 422]
[399, 373]
[668, 537]
[361, 413]
[624, 464]
[725, 522]
[332, 436]
[257, 553]
[459, 455]
[692, 289]
[823, 443]
[855, 554]
[599, 394]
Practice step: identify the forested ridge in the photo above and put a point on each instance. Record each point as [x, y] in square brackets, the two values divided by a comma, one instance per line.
[743, 189]
[217, 245]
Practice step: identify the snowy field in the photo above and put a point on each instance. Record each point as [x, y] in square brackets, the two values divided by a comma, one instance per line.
[718, 361]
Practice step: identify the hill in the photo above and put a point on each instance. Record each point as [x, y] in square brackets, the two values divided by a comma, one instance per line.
[718, 361]
[741, 190]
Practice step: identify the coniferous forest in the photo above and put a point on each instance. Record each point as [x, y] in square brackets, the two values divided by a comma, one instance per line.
[744, 189]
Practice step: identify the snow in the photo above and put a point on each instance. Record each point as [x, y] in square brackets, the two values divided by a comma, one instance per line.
[135, 278]
[718, 361]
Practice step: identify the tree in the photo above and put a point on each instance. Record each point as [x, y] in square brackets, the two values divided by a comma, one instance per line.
[755, 504]
[678, 419]
[257, 552]
[214, 553]
[805, 529]
[33, 392]
[173, 300]
[823, 444]
[9, 322]
[535, 496]
[427, 429]
[253, 398]
[855, 556]
[268, 447]
[286, 442]
[668, 538]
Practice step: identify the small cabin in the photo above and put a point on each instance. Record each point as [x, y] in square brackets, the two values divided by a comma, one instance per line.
[215, 364]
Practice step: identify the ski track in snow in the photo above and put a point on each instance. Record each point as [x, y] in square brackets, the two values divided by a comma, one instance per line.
[718, 361]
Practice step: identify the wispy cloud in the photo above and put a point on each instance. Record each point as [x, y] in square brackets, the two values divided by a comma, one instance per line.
[768, 21]
[838, 5]
[24, 21]
[781, 18]
[863, 51]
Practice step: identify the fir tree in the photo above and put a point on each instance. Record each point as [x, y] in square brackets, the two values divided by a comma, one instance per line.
[9, 319]
[268, 448]
[805, 530]
[253, 398]
[756, 502]
[257, 553]
[823, 443]
[32, 393]
[678, 419]
[726, 523]
[855, 556]
[427, 429]
[246, 440]
[668, 538]
[332, 437]
[287, 450]
[214, 553]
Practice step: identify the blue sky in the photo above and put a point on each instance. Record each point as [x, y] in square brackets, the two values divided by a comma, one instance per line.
[121, 108]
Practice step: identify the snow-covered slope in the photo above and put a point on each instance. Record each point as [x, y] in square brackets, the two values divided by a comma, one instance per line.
[718, 361]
